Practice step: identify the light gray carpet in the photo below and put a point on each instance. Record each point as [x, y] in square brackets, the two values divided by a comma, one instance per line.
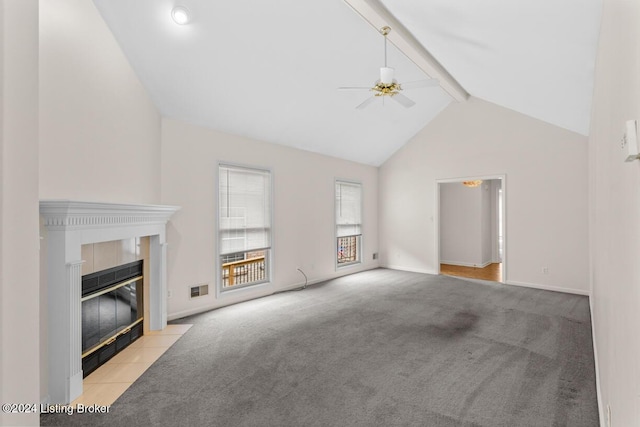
[380, 348]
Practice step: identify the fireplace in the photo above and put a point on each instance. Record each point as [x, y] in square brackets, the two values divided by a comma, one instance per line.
[112, 313]
[67, 226]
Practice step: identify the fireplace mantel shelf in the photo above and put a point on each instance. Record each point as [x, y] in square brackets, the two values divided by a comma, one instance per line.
[67, 226]
[67, 213]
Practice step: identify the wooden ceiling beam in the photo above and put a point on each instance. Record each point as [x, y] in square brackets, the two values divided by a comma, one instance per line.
[378, 16]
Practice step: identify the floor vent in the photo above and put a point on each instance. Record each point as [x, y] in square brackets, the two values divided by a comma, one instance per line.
[199, 291]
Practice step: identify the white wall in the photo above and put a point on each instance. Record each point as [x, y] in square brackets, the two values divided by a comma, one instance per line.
[615, 213]
[2, 191]
[460, 224]
[545, 192]
[496, 185]
[303, 202]
[100, 132]
[485, 223]
[19, 274]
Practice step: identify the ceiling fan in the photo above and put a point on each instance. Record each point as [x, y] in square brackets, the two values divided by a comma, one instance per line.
[387, 85]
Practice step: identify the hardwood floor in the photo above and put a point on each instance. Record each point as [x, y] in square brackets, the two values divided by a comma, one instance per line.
[492, 272]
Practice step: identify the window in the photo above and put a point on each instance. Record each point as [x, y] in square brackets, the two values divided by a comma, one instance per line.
[348, 222]
[244, 226]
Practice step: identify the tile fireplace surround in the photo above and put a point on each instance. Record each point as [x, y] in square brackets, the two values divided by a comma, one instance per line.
[69, 225]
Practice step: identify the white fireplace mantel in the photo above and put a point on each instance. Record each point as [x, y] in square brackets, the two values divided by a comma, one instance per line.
[69, 225]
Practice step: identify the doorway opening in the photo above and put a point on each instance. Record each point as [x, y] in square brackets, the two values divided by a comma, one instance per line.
[470, 230]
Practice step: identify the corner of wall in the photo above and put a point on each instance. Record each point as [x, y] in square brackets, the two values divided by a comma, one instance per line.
[19, 275]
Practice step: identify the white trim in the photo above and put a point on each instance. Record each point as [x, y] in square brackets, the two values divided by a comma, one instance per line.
[409, 269]
[436, 216]
[376, 14]
[222, 303]
[69, 225]
[467, 264]
[72, 215]
[548, 288]
[203, 309]
[360, 260]
[347, 264]
[234, 292]
[601, 412]
[219, 292]
[512, 283]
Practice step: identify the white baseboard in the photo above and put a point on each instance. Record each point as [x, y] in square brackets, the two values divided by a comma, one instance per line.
[219, 303]
[222, 302]
[510, 282]
[410, 269]
[197, 310]
[203, 309]
[601, 411]
[466, 264]
[548, 288]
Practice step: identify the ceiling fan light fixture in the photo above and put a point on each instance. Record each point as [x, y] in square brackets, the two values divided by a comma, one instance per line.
[386, 75]
[387, 86]
[180, 15]
[472, 184]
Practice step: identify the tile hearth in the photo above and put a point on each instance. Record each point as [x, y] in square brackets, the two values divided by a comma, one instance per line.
[107, 383]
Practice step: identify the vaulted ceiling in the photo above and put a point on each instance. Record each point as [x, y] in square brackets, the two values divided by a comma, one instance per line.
[270, 70]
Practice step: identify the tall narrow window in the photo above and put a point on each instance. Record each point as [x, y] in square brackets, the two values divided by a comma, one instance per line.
[244, 221]
[348, 222]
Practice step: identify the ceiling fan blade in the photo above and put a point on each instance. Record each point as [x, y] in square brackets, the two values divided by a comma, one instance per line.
[403, 100]
[366, 102]
[354, 88]
[420, 83]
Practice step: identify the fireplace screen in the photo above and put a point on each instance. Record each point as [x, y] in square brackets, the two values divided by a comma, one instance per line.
[105, 315]
[111, 309]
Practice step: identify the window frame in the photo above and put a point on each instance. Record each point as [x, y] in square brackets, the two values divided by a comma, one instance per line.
[219, 280]
[360, 237]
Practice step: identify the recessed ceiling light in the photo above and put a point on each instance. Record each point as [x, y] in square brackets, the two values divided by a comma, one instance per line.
[180, 15]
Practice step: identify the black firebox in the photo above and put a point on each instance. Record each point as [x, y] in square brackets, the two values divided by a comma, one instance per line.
[112, 313]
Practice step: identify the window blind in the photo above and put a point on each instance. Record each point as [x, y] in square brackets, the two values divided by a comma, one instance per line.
[244, 209]
[348, 209]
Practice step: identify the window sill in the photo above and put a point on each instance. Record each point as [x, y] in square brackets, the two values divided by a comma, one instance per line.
[227, 293]
[348, 264]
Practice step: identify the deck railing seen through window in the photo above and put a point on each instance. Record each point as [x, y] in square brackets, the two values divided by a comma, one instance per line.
[347, 249]
[244, 272]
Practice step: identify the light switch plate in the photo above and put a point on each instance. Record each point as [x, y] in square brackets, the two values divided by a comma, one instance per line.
[630, 141]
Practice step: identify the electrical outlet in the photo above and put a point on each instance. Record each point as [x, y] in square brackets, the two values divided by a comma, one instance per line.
[375, 255]
[545, 270]
[168, 293]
